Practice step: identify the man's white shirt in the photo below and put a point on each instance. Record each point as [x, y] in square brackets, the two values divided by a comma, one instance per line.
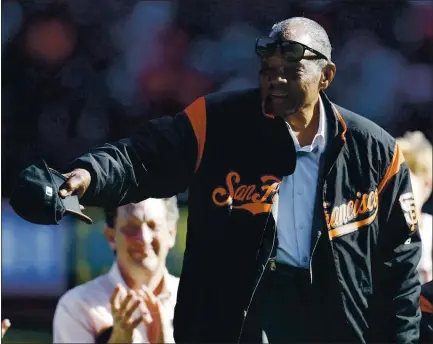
[294, 208]
[84, 311]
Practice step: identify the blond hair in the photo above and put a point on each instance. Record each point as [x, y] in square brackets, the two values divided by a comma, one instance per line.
[418, 153]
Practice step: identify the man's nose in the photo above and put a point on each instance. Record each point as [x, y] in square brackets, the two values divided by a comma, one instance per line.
[277, 76]
[143, 235]
[146, 234]
[279, 79]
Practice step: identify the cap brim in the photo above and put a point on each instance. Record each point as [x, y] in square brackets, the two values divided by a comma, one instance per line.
[72, 206]
[71, 203]
[80, 216]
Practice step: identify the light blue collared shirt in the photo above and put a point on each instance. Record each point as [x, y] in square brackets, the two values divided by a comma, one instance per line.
[296, 200]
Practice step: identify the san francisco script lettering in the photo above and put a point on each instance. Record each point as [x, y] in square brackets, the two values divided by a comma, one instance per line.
[247, 197]
[349, 212]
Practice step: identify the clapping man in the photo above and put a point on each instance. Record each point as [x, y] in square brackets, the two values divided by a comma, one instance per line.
[134, 302]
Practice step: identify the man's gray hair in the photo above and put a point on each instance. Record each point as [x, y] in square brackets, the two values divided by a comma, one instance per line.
[172, 210]
[323, 45]
[170, 206]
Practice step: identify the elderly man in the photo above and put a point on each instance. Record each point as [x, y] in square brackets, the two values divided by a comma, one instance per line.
[418, 153]
[298, 218]
[134, 302]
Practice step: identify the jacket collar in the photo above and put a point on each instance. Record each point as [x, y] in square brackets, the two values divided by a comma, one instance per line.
[336, 125]
[320, 138]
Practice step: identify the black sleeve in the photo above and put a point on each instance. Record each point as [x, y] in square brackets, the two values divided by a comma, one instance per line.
[104, 336]
[400, 252]
[426, 329]
[158, 161]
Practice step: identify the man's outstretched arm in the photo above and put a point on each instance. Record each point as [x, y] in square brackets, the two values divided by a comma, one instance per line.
[158, 161]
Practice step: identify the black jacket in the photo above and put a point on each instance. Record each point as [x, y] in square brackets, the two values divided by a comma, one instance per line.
[232, 158]
[427, 313]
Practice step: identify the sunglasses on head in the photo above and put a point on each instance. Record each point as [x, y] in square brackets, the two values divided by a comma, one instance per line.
[291, 50]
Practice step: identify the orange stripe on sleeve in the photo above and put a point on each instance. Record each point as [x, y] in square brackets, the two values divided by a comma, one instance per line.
[426, 306]
[393, 168]
[196, 113]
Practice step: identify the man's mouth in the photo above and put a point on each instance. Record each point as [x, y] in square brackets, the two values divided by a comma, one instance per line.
[279, 94]
[142, 251]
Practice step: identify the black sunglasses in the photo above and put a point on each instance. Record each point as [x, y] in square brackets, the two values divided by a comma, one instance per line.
[291, 50]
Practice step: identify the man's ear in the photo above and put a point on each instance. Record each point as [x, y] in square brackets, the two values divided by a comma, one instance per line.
[110, 235]
[328, 74]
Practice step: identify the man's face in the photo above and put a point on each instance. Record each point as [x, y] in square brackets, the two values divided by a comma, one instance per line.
[286, 87]
[421, 188]
[143, 235]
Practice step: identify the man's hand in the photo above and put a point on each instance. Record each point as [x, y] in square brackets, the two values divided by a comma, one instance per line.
[123, 324]
[76, 183]
[5, 325]
[154, 318]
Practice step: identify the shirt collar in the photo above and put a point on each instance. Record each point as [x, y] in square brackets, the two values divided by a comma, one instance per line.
[320, 137]
[116, 278]
[321, 132]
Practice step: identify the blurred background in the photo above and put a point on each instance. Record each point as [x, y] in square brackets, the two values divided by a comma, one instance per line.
[77, 73]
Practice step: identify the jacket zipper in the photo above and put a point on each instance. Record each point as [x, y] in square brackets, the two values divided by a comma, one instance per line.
[257, 284]
[312, 254]
[319, 234]
[331, 247]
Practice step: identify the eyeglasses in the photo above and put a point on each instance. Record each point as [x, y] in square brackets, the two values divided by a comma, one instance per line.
[291, 50]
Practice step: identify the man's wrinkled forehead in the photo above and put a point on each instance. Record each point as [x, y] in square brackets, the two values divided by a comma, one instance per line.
[148, 210]
[292, 33]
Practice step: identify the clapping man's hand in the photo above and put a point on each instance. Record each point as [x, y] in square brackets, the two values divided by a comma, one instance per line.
[123, 311]
[153, 317]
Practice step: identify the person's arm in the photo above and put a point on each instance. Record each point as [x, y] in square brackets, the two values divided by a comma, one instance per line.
[70, 325]
[5, 326]
[399, 251]
[158, 161]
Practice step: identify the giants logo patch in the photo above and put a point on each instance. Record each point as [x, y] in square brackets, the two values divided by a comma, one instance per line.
[254, 198]
[407, 203]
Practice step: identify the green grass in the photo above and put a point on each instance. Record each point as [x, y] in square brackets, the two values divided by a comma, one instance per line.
[14, 335]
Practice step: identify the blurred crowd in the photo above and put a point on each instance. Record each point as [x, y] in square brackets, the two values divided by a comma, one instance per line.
[79, 73]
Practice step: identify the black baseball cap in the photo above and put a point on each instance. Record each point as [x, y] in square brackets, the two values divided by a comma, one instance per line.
[36, 198]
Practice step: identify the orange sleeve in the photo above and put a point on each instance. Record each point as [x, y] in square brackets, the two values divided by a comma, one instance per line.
[196, 113]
